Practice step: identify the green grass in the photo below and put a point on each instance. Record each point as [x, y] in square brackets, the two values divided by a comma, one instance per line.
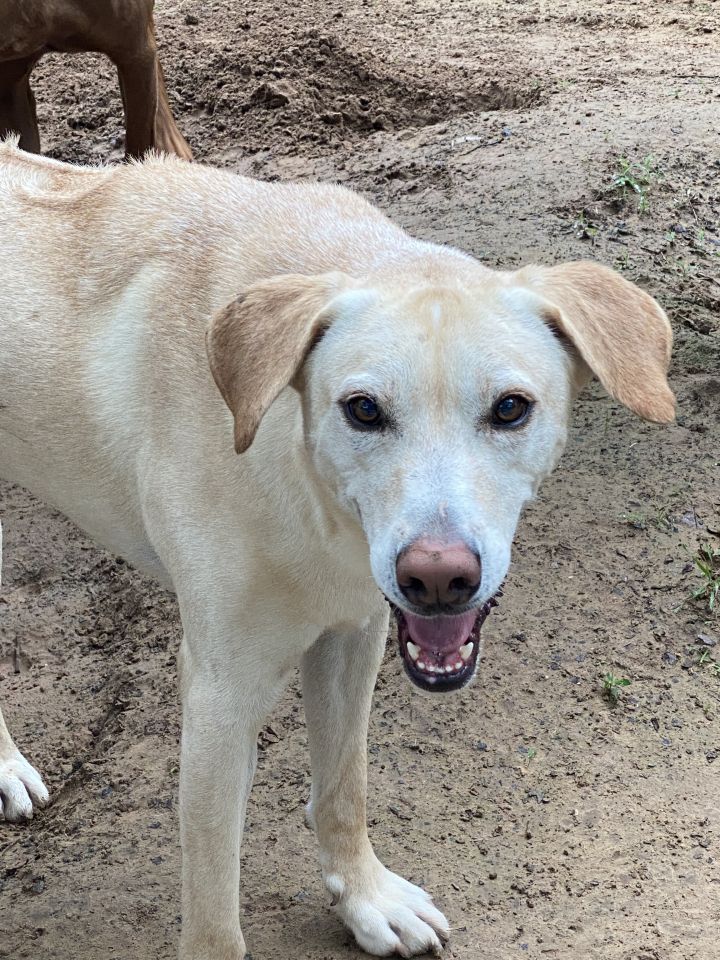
[658, 516]
[707, 563]
[706, 660]
[635, 177]
[635, 519]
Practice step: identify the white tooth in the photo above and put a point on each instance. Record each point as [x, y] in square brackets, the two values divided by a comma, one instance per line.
[459, 665]
[466, 650]
[421, 665]
[414, 650]
[449, 669]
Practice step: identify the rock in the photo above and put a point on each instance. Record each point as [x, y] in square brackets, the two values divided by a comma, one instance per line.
[273, 94]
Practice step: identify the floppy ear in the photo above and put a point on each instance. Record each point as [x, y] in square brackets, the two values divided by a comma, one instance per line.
[620, 332]
[258, 342]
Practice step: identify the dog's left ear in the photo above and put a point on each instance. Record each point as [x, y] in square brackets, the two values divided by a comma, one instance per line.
[257, 343]
[619, 331]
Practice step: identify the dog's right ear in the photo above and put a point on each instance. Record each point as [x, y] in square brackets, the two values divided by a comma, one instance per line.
[258, 342]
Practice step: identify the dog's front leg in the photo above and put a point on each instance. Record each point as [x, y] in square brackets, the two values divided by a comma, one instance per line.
[227, 693]
[20, 783]
[21, 786]
[386, 914]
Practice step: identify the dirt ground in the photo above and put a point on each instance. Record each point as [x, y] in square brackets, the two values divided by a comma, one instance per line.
[546, 821]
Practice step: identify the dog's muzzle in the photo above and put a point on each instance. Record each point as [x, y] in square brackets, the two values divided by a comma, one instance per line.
[441, 653]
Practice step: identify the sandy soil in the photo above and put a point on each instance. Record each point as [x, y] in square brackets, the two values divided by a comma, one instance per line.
[546, 822]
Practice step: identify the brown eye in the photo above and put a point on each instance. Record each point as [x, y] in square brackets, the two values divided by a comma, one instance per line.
[511, 411]
[364, 413]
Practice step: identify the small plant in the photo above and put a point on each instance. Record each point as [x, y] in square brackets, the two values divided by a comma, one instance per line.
[612, 687]
[663, 518]
[659, 517]
[635, 176]
[636, 520]
[583, 227]
[704, 246]
[623, 261]
[707, 562]
[703, 657]
[685, 268]
[528, 754]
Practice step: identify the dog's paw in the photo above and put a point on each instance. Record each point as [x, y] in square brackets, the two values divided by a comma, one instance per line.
[21, 787]
[389, 916]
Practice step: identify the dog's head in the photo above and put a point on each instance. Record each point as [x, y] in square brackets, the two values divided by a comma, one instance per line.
[433, 409]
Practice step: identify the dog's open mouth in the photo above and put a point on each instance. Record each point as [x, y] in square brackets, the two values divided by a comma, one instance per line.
[440, 653]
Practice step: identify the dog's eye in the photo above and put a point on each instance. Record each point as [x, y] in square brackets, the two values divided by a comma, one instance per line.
[511, 411]
[364, 413]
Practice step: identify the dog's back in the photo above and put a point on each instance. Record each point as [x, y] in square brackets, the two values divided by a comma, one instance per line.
[61, 347]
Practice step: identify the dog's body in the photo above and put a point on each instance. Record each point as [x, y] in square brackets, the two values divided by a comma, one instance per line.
[108, 409]
[121, 29]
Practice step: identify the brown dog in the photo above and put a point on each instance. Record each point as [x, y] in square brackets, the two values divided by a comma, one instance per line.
[121, 29]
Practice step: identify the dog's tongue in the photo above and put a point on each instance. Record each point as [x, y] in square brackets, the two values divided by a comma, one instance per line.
[441, 634]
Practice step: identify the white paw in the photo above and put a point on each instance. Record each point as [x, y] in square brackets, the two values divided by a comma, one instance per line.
[21, 786]
[388, 915]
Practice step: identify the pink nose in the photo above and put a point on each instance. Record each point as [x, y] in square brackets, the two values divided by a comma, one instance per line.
[431, 572]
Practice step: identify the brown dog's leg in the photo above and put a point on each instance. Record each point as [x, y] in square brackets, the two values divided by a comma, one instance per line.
[167, 135]
[148, 120]
[17, 103]
[138, 87]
